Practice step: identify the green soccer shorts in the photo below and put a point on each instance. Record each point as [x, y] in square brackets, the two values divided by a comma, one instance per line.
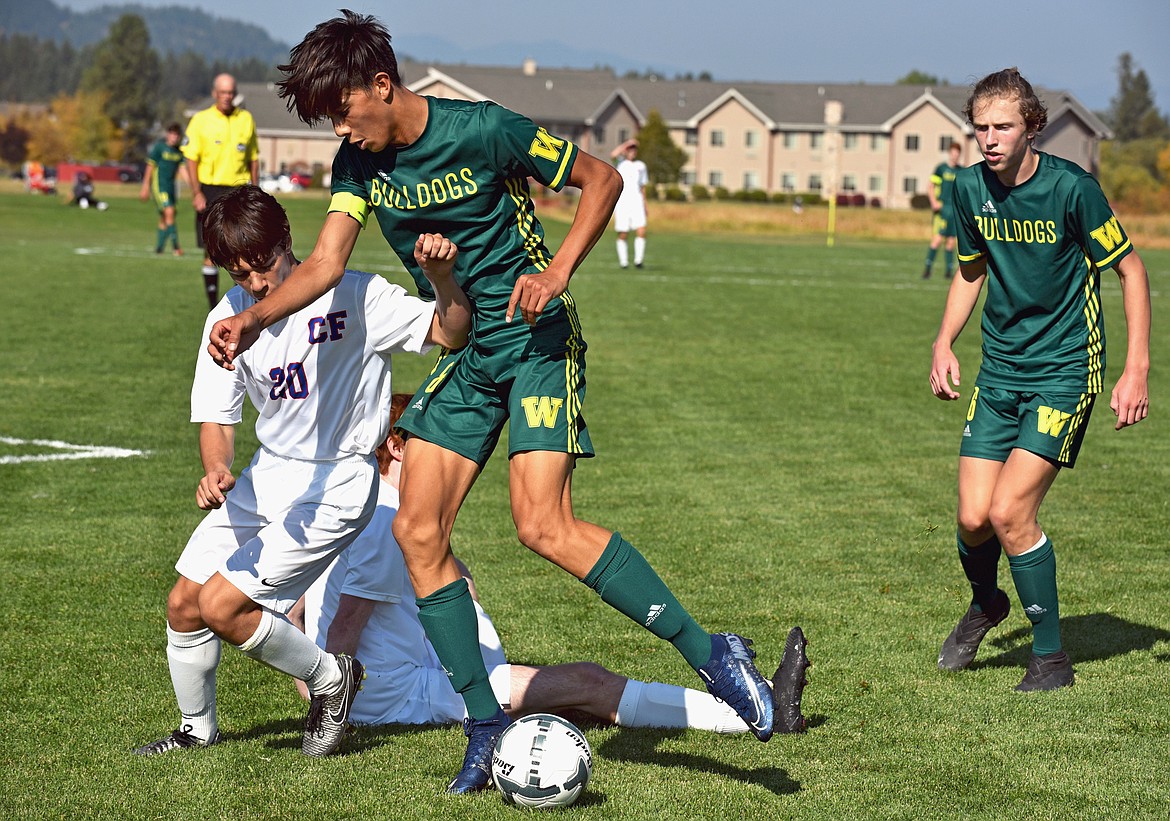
[1050, 424]
[530, 376]
[943, 225]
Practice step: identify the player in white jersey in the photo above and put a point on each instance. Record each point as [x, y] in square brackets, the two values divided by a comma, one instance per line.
[312, 485]
[630, 212]
[364, 605]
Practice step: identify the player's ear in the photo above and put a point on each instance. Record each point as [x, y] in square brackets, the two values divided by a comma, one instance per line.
[396, 446]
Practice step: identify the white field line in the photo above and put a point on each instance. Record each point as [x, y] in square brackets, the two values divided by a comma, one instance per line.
[70, 451]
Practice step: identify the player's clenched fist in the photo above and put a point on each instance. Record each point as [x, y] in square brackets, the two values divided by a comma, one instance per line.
[212, 489]
[232, 336]
[435, 254]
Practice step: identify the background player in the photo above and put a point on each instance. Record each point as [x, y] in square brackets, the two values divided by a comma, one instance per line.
[630, 212]
[943, 215]
[363, 606]
[1038, 230]
[311, 485]
[163, 164]
[462, 168]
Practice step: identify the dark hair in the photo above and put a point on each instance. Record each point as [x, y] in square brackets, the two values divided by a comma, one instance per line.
[174, 128]
[246, 224]
[398, 404]
[335, 58]
[1009, 84]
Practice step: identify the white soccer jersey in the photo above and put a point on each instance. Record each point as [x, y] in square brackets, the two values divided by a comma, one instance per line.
[317, 399]
[634, 179]
[405, 683]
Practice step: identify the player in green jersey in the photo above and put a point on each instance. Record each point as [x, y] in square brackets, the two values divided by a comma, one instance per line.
[1038, 230]
[421, 163]
[163, 165]
[942, 214]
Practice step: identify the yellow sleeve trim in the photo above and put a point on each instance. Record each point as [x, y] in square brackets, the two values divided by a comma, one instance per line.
[1108, 261]
[352, 205]
[970, 257]
[557, 180]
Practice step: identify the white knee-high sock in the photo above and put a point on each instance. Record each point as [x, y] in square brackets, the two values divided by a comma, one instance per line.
[193, 659]
[669, 706]
[623, 250]
[283, 647]
[639, 250]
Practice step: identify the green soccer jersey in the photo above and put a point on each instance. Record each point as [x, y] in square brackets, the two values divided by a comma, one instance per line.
[943, 180]
[1045, 242]
[166, 162]
[465, 177]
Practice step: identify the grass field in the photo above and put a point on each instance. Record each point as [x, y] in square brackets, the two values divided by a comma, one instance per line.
[766, 436]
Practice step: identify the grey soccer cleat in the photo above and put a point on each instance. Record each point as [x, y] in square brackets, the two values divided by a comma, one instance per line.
[325, 724]
[788, 684]
[1048, 672]
[180, 739]
[959, 648]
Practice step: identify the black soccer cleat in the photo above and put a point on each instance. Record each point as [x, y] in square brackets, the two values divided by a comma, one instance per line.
[1048, 672]
[959, 648]
[788, 684]
[482, 735]
[180, 739]
[325, 724]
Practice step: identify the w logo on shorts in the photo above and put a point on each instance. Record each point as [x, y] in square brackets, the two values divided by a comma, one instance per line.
[1051, 420]
[541, 410]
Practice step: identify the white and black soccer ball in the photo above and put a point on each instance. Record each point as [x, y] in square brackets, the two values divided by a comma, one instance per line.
[543, 761]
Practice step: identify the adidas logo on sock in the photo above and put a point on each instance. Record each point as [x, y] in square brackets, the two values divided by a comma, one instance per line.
[656, 610]
[1035, 610]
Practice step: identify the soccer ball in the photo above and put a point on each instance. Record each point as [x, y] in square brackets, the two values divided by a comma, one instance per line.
[541, 761]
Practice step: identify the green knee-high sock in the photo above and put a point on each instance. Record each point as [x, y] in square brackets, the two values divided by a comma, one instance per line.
[173, 233]
[1035, 576]
[448, 616]
[626, 582]
[949, 257]
[930, 254]
[981, 565]
[160, 239]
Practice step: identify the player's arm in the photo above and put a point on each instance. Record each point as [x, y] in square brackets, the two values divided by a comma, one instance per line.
[435, 254]
[198, 201]
[345, 631]
[320, 271]
[217, 451]
[254, 171]
[961, 301]
[1130, 400]
[147, 173]
[600, 186]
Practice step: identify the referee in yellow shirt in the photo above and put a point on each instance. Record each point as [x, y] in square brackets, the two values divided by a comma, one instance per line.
[221, 153]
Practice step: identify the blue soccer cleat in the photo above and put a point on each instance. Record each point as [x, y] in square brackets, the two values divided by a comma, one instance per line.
[732, 678]
[482, 735]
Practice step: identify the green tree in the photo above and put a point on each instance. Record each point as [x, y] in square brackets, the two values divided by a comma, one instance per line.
[1132, 114]
[920, 78]
[127, 70]
[664, 160]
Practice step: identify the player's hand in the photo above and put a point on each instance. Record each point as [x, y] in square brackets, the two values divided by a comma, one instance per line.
[213, 489]
[1130, 400]
[435, 254]
[231, 337]
[199, 202]
[944, 370]
[533, 292]
[144, 195]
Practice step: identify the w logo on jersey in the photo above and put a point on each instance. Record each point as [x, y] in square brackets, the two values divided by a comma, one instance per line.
[1051, 420]
[1109, 235]
[541, 410]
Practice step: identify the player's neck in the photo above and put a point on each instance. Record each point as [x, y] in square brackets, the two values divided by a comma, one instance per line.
[1023, 172]
[410, 119]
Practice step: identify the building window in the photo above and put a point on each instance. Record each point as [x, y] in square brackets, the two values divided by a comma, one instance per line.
[790, 139]
[911, 142]
[692, 136]
[687, 178]
[788, 181]
[875, 184]
[623, 135]
[849, 182]
[717, 137]
[910, 185]
[877, 142]
[815, 138]
[599, 134]
[751, 139]
[850, 142]
[715, 178]
[814, 182]
[751, 180]
[944, 143]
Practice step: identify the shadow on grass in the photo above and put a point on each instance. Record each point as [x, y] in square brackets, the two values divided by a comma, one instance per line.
[640, 746]
[1092, 637]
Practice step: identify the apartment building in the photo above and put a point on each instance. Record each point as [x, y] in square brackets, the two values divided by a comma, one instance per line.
[874, 140]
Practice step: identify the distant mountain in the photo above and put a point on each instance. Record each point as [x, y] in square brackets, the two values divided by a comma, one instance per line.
[173, 29]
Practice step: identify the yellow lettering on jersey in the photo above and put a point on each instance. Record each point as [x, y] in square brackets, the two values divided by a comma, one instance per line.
[1050, 420]
[1108, 235]
[971, 407]
[438, 380]
[541, 410]
[546, 146]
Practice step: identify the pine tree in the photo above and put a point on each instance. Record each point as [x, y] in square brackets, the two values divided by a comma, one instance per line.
[126, 68]
[664, 160]
[1132, 114]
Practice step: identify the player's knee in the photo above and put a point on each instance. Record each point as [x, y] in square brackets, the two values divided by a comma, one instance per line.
[417, 534]
[183, 607]
[221, 605]
[1007, 519]
[590, 676]
[539, 534]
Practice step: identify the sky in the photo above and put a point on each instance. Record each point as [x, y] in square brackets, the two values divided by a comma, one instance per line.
[1065, 44]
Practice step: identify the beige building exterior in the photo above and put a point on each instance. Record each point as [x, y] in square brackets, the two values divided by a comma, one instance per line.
[876, 144]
